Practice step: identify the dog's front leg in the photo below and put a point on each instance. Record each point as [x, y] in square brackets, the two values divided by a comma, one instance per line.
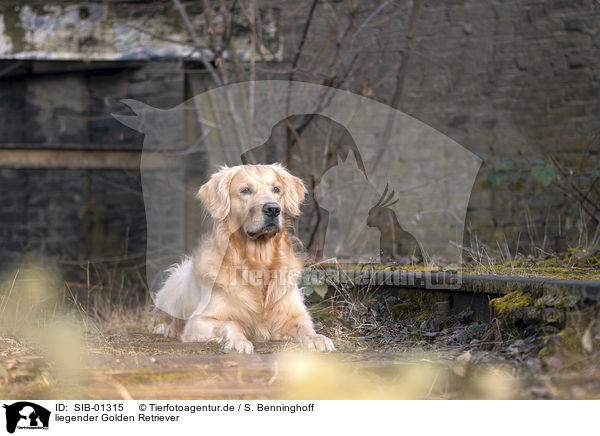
[229, 333]
[306, 335]
[290, 312]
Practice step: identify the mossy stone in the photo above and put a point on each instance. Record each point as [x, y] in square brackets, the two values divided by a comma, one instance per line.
[514, 300]
[407, 309]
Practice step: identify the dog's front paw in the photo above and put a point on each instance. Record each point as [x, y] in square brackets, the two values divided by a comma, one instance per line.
[160, 329]
[167, 330]
[243, 346]
[318, 343]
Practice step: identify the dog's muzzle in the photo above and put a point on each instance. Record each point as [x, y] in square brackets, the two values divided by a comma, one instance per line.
[271, 226]
[271, 210]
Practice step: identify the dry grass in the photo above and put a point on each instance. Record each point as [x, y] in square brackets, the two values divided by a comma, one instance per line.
[74, 344]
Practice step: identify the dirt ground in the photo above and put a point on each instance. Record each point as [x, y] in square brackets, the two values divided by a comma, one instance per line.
[392, 345]
[449, 364]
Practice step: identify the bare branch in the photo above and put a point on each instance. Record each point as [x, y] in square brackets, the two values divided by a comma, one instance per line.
[197, 43]
[304, 36]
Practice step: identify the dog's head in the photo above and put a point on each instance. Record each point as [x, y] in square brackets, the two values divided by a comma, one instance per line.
[253, 198]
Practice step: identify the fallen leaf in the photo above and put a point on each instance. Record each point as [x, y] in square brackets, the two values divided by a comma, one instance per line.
[321, 290]
[586, 338]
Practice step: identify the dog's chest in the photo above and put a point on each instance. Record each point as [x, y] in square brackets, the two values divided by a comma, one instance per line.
[252, 309]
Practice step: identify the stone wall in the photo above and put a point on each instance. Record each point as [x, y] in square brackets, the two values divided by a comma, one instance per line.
[513, 81]
[517, 80]
[71, 214]
[506, 79]
[72, 210]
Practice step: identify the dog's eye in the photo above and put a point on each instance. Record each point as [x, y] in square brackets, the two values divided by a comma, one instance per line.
[276, 190]
[246, 190]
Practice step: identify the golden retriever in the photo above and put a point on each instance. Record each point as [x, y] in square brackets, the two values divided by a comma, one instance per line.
[240, 284]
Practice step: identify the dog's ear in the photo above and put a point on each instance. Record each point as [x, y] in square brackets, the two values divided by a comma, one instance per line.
[293, 191]
[214, 194]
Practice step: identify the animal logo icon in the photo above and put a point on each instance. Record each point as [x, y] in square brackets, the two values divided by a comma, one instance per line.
[395, 244]
[348, 234]
[25, 414]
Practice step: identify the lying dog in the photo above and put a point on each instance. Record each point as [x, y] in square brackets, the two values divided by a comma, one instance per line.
[240, 284]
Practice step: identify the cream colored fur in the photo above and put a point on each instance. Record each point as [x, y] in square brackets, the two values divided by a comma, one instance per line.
[240, 284]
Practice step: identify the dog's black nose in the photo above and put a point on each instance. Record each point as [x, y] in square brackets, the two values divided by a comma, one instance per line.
[271, 209]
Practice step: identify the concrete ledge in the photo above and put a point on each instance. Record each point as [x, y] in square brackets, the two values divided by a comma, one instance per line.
[583, 290]
[89, 159]
[123, 30]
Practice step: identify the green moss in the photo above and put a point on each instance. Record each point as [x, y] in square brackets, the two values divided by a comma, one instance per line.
[407, 309]
[552, 267]
[559, 298]
[416, 305]
[571, 340]
[567, 341]
[425, 299]
[424, 315]
[515, 300]
[545, 352]
[562, 303]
